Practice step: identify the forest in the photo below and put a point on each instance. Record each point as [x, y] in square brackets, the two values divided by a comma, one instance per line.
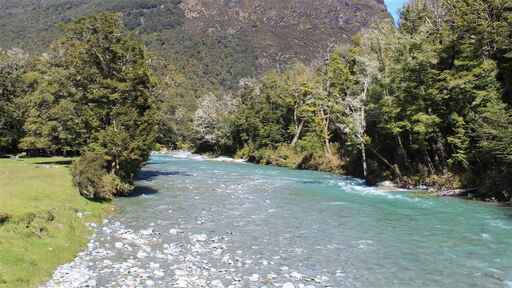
[425, 104]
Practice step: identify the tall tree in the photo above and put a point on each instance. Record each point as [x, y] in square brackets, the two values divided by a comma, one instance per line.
[12, 88]
[95, 92]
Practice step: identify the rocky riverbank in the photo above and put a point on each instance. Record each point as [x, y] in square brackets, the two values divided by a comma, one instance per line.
[145, 259]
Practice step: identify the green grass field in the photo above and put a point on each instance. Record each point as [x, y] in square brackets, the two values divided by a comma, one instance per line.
[47, 217]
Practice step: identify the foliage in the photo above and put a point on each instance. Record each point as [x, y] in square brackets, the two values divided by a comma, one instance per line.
[492, 162]
[208, 45]
[95, 92]
[12, 88]
[92, 179]
[424, 103]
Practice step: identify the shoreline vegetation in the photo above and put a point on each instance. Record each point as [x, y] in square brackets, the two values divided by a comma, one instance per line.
[385, 186]
[44, 222]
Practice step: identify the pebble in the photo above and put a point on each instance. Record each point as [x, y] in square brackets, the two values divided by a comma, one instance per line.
[254, 277]
[141, 254]
[296, 275]
[217, 284]
[199, 237]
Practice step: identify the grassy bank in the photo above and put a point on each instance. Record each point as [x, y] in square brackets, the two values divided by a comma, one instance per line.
[44, 219]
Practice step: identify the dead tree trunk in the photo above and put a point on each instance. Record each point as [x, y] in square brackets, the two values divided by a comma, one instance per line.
[298, 131]
[362, 131]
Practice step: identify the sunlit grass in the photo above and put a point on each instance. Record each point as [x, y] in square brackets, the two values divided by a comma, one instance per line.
[45, 228]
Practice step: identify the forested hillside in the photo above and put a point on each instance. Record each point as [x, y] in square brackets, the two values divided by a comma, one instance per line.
[222, 41]
[427, 104]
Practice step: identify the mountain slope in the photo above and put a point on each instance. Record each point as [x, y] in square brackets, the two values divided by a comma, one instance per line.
[221, 40]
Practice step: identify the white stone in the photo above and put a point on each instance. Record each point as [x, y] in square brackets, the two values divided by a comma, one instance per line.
[288, 285]
[217, 284]
[296, 275]
[180, 272]
[141, 254]
[181, 283]
[254, 277]
[199, 237]
[147, 231]
[158, 273]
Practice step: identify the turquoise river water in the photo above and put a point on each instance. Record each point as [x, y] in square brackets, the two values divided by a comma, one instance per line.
[203, 223]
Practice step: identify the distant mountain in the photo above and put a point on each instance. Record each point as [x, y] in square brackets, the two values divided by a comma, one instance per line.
[218, 40]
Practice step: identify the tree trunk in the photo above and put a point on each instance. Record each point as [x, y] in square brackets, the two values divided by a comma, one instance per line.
[298, 131]
[327, 137]
[325, 128]
[441, 155]
[403, 153]
[363, 129]
[430, 164]
[394, 168]
[363, 155]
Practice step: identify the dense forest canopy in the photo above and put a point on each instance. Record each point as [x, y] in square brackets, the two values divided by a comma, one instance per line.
[425, 103]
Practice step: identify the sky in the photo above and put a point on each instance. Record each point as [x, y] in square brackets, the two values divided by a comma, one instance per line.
[394, 7]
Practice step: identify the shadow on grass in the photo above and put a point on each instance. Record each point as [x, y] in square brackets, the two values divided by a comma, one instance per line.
[141, 191]
[60, 162]
[148, 175]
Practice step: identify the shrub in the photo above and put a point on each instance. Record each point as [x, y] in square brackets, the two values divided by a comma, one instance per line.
[110, 185]
[92, 179]
[4, 217]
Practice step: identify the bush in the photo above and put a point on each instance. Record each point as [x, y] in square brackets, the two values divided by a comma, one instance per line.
[286, 155]
[4, 217]
[93, 181]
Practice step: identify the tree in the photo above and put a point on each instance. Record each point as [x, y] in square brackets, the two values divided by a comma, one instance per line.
[211, 121]
[492, 162]
[95, 92]
[12, 67]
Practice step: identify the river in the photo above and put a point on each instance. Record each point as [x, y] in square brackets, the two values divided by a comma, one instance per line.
[201, 223]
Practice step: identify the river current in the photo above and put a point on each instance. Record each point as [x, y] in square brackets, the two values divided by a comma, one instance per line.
[201, 223]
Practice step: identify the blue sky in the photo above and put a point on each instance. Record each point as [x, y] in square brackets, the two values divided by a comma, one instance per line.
[394, 7]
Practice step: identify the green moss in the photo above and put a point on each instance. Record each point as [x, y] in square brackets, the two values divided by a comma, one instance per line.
[44, 228]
